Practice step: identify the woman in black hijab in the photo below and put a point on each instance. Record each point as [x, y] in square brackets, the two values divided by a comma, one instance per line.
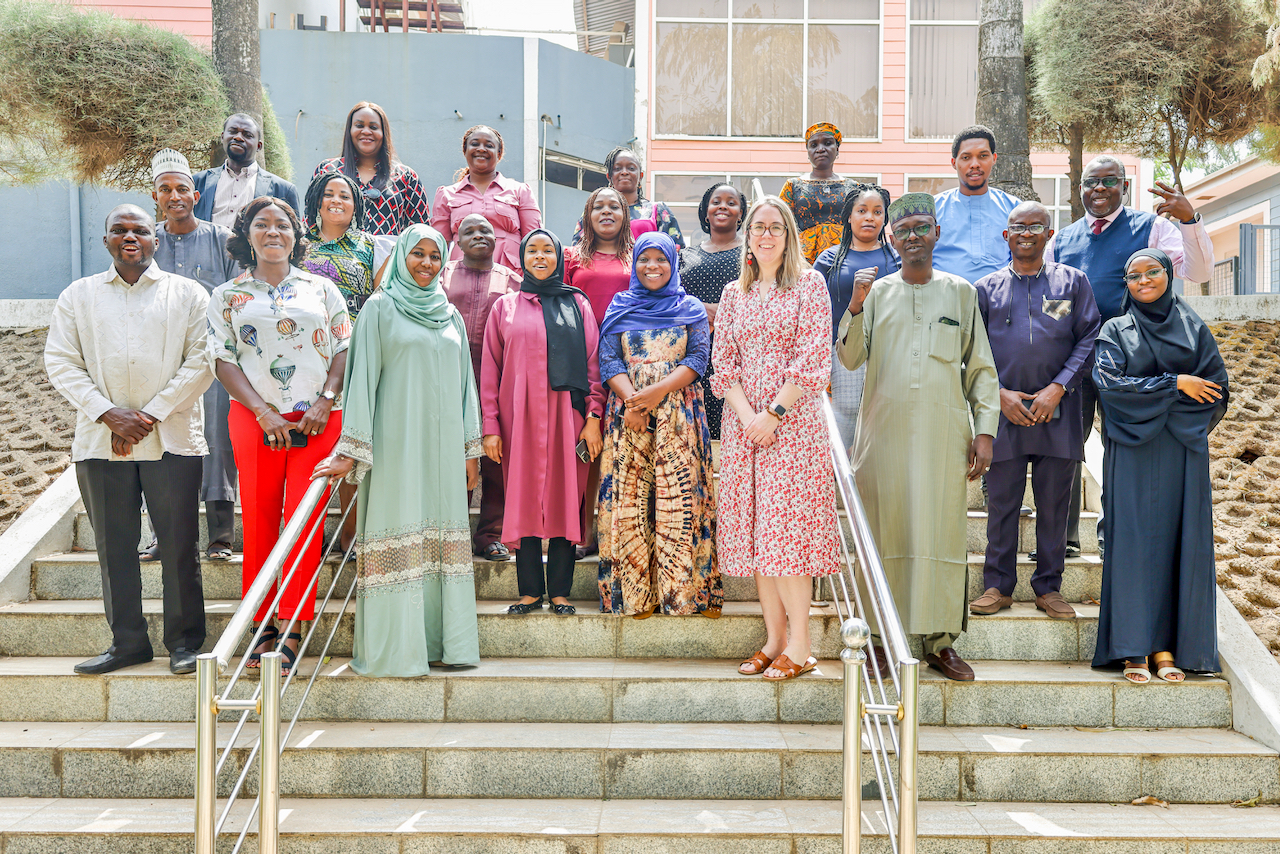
[541, 401]
[1163, 388]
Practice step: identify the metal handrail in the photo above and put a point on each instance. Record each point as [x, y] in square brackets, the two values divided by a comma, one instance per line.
[266, 697]
[890, 712]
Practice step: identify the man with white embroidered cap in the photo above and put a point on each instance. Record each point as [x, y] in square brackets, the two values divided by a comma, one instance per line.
[197, 249]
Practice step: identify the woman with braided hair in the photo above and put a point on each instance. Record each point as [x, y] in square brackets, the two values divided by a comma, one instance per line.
[706, 267]
[622, 166]
[480, 188]
[862, 253]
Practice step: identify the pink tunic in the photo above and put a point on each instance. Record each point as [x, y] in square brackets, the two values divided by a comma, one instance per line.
[507, 204]
[539, 427]
[777, 510]
[601, 282]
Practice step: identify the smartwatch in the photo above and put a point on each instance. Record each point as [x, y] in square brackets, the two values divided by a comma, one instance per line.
[779, 410]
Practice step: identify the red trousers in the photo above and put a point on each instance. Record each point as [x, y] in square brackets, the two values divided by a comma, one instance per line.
[272, 484]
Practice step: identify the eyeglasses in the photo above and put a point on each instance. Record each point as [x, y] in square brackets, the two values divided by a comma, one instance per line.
[1149, 275]
[1018, 228]
[919, 231]
[1109, 183]
[776, 230]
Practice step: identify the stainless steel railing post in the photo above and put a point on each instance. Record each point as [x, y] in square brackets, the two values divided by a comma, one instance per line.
[909, 735]
[206, 750]
[269, 756]
[855, 632]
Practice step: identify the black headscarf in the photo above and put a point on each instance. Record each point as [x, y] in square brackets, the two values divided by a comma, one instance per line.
[1170, 339]
[566, 335]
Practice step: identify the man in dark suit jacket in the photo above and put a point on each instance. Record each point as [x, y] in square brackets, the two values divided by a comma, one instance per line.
[225, 190]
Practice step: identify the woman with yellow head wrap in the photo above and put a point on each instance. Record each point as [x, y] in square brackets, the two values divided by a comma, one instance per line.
[815, 197]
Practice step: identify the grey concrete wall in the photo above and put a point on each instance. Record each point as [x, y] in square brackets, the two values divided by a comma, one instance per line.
[44, 213]
[421, 79]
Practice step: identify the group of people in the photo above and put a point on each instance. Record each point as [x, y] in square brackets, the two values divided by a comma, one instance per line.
[412, 353]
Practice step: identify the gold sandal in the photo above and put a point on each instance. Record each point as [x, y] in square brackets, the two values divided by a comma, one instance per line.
[790, 670]
[759, 661]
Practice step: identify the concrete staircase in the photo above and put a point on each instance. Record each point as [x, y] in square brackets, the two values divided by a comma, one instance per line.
[595, 734]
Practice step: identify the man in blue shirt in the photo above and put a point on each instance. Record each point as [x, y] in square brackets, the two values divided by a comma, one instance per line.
[973, 215]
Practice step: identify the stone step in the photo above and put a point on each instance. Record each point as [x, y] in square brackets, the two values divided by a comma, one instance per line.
[1022, 633]
[77, 575]
[538, 826]
[976, 531]
[1005, 693]
[631, 760]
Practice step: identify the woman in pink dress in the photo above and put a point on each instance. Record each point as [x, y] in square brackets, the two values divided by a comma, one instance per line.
[540, 395]
[777, 510]
[599, 265]
[481, 189]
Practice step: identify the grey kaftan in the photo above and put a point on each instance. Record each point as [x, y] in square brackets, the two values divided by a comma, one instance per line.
[929, 365]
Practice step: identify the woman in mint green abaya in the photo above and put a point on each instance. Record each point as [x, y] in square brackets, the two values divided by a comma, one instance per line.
[411, 438]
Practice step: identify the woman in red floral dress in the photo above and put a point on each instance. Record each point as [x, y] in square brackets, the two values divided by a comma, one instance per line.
[777, 505]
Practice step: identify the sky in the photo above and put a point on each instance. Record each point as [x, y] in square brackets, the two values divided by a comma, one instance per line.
[524, 17]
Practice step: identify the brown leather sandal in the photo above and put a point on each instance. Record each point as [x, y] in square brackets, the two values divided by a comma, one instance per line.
[790, 670]
[759, 661]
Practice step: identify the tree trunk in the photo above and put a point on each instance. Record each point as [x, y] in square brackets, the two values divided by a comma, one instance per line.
[1002, 94]
[1075, 167]
[236, 56]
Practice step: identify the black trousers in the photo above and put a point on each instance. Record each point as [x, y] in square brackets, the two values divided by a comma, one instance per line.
[1006, 483]
[559, 571]
[220, 519]
[1089, 403]
[112, 493]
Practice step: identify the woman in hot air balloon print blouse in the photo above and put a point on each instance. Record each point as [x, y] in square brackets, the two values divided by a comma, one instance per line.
[279, 337]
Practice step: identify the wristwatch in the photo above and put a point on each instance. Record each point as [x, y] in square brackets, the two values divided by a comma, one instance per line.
[1191, 221]
[329, 396]
[779, 410]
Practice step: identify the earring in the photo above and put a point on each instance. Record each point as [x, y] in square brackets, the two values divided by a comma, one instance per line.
[253, 256]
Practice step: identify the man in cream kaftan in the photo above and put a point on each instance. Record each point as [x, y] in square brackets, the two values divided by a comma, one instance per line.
[929, 369]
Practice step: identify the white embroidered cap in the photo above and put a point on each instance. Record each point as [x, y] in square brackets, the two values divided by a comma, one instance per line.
[168, 160]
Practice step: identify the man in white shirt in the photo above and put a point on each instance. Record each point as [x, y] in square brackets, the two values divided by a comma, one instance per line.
[127, 348]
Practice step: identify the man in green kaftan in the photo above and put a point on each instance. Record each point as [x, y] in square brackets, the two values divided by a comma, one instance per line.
[929, 371]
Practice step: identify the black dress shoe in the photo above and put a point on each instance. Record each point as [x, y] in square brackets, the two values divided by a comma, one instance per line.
[182, 660]
[110, 661]
[521, 608]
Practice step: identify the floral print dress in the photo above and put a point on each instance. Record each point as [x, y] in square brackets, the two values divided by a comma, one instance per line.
[777, 504]
[656, 514]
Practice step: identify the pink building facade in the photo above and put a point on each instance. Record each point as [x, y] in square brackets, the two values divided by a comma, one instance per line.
[727, 87]
[192, 18]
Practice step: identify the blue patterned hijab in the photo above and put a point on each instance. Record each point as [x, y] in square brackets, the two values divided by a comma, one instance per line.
[638, 308]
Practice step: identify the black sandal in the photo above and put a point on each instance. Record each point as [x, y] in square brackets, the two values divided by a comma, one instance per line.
[286, 666]
[521, 608]
[564, 609]
[269, 636]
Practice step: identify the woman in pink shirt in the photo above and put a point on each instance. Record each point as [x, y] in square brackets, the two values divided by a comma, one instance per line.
[507, 204]
[599, 265]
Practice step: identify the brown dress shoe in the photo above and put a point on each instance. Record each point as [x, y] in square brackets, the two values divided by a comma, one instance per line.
[1055, 606]
[991, 601]
[952, 666]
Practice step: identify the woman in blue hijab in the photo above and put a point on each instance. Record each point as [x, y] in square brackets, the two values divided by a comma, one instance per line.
[656, 516]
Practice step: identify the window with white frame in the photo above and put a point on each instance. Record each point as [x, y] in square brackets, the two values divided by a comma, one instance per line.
[767, 68]
[942, 70]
